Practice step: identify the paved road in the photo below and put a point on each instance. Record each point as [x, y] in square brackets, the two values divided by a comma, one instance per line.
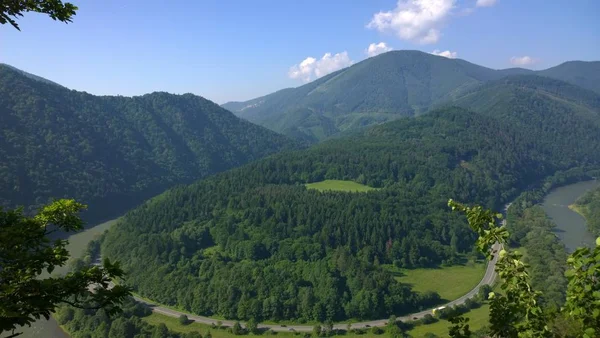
[488, 278]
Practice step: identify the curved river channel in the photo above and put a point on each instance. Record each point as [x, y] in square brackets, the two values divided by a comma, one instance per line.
[571, 229]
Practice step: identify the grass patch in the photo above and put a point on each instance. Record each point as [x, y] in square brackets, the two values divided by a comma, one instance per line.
[449, 282]
[578, 209]
[337, 185]
[478, 318]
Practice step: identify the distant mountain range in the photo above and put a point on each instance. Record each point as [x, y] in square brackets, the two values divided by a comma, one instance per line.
[384, 88]
[113, 152]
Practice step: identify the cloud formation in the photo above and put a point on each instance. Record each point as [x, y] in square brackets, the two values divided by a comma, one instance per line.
[447, 54]
[311, 68]
[485, 3]
[414, 20]
[523, 60]
[377, 48]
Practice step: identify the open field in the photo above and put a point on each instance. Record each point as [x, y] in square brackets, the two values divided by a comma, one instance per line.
[337, 185]
[450, 282]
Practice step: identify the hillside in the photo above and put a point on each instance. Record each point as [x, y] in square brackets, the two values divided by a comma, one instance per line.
[581, 73]
[254, 242]
[113, 152]
[383, 88]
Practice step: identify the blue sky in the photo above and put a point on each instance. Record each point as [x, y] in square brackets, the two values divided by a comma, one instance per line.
[236, 50]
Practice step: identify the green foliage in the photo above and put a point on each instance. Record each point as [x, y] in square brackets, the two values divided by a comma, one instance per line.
[112, 152]
[184, 320]
[26, 253]
[11, 9]
[583, 291]
[517, 312]
[460, 329]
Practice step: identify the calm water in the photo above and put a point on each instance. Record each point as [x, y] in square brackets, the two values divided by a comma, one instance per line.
[77, 245]
[571, 226]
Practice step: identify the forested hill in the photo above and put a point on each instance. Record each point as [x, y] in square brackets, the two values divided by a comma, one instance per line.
[113, 152]
[383, 88]
[253, 242]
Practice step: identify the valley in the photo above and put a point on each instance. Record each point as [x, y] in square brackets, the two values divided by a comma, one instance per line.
[373, 192]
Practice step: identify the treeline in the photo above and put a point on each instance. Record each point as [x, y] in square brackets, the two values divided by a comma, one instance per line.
[254, 243]
[112, 152]
[588, 206]
[92, 323]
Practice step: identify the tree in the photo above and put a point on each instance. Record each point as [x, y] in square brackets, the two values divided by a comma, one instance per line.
[237, 329]
[517, 311]
[54, 8]
[252, 326]
[484, 292]
[317, 330]
[183, 320]
[26, 252]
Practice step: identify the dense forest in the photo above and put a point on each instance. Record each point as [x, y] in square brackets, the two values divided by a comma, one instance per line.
[306, 255]
[112, 152]
[384, 88]
[588, 206]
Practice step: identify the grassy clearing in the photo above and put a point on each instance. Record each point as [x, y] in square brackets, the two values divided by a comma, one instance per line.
[337, 185]
[478, 318]
[450, 282]
[578, 209]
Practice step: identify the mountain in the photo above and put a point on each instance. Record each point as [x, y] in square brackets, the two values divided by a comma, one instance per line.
[585, 74]
[113, 152]
[380, 89]
[254, 242]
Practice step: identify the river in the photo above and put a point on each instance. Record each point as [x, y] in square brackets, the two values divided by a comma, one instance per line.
[77, 245]
[571, 227]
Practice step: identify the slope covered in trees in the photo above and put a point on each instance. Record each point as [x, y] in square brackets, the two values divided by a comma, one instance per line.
[384, 88]
[112, 152]
[309, 255]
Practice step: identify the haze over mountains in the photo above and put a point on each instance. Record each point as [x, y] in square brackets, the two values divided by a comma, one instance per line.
[113, 152]
[384, 88]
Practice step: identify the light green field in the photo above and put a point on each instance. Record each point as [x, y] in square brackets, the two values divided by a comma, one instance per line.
[337, 185]
[450, 282]
[478, 318]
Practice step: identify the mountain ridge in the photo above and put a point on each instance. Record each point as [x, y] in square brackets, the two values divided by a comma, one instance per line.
[379, 89]
[113, 150]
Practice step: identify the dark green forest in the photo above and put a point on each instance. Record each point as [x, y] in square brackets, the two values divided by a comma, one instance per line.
[254, 243]
[112, 152]
[384, 88]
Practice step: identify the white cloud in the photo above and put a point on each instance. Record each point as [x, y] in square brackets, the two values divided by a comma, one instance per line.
[447, 54]
[414, 20]
[377, 48]
[311, 68]
[523, 60]
[485, 3]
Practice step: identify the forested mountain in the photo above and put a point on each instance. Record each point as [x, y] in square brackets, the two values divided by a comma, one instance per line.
[253, 242]
[383, 88]
[585, 74]
[113, 152]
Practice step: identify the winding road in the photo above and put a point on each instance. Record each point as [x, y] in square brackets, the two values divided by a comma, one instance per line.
[488, 278]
